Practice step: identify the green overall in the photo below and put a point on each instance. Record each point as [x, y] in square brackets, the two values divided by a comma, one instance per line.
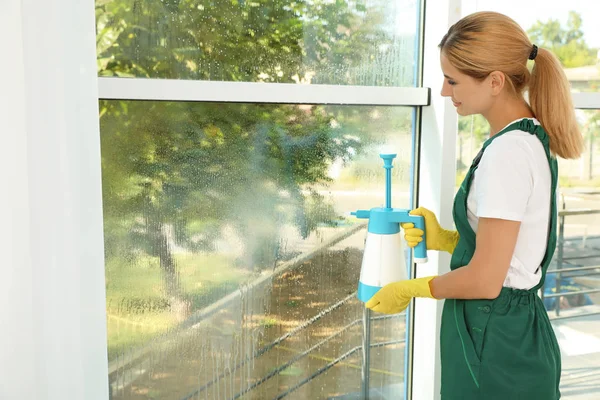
[504, 348]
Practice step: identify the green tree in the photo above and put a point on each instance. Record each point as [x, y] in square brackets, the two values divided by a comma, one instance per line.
[567, 43]
[261, 40]
[176, 173]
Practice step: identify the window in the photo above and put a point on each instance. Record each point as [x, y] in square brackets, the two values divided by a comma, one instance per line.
[229, 258]
[573, 297]
[203, 202]
[366, 42]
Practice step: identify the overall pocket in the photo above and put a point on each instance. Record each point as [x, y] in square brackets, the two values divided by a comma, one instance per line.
[460, 365]
[477, 316]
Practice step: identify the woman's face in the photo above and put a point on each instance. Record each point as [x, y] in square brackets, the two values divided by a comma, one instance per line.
[469, 95]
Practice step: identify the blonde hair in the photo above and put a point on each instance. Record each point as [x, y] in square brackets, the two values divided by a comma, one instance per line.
[484, 42]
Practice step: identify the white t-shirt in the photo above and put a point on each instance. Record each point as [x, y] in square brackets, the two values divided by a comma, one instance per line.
[513, 182]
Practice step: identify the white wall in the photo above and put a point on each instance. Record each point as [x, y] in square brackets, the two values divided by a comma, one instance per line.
[52, 300]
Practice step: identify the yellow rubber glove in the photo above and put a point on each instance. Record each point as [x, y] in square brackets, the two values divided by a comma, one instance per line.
[437, 238]
[395, 297]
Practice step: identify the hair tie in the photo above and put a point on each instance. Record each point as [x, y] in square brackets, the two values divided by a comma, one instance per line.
[533, 53]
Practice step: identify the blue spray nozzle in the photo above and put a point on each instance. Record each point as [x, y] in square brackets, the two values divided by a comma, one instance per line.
[361, 213]
[388, 159]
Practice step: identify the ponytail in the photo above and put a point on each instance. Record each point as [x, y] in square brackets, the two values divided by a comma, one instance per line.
[551, 102]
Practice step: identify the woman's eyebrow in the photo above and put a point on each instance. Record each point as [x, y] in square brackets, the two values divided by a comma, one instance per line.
[448, 77]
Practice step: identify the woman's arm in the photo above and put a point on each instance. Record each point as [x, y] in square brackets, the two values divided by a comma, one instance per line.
[484, 276]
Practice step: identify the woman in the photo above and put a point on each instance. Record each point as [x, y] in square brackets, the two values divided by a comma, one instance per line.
[496, 338]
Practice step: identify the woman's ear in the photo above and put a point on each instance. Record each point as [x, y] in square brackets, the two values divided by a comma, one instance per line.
[497, 80]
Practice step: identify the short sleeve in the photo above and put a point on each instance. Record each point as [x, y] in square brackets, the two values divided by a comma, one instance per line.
[504, 179]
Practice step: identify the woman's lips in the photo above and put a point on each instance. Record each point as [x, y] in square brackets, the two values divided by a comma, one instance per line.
[456, 104]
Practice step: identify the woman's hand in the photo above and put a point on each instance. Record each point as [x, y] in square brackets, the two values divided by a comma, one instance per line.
[394, 297]
[437, 237]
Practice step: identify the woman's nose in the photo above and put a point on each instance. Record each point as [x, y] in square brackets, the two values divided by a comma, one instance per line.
[446, 90]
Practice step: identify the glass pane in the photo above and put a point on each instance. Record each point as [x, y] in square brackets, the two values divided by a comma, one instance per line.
[568, 28]
[232, 265]
[579, 250]
[575, 314]
[365, 42]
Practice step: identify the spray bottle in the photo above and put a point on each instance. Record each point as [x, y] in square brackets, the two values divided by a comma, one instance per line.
[383, 260]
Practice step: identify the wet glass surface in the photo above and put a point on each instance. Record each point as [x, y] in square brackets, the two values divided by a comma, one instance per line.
[367, 42]
[231, 261]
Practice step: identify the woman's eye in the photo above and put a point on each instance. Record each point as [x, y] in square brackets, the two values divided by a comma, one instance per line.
[451, 83]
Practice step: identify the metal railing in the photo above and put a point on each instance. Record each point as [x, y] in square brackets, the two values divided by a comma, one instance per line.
[564, 273]
[133, 359]
[301, 355]
[204, 314]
